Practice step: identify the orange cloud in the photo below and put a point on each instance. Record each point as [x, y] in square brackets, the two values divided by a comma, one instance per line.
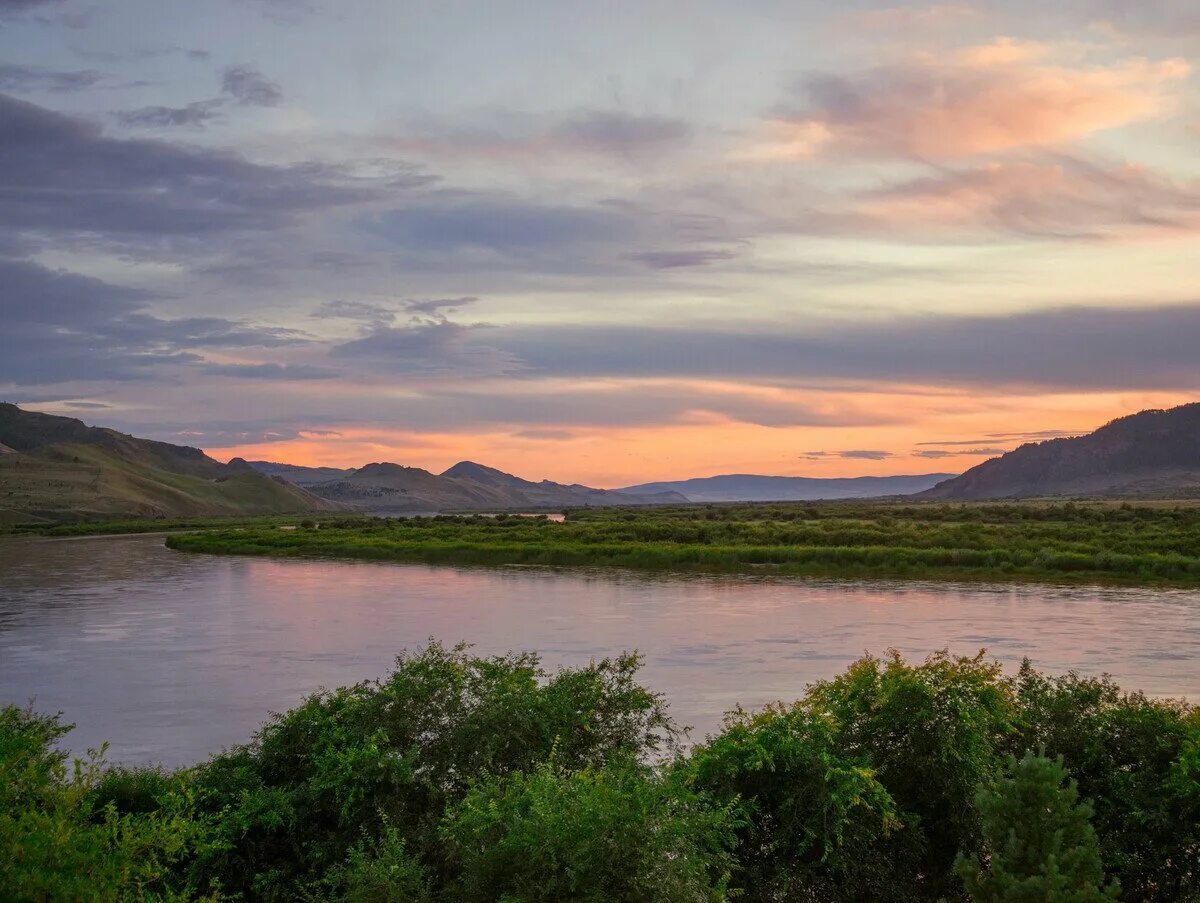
[983, 99]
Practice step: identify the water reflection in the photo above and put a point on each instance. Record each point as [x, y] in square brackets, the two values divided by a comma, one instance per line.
[172, 656]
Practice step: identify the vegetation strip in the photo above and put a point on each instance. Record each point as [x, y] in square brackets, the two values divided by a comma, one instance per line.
[1077, 543]
[464, 778]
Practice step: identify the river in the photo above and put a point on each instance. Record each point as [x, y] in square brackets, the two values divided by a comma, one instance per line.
[172, 656]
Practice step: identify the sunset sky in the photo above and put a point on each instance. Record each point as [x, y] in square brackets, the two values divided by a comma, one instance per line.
[600, 242]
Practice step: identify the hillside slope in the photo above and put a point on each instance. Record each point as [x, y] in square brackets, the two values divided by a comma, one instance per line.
[301, 475]
[744, 487]
[1152, 454]
[58, 468]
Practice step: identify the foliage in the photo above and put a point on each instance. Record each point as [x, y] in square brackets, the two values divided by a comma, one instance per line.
[864, 787]
[1138, 761]
[1135, 544]
[817, 824]
[1038, 841]
[398, 752]
[375, 871]
[619, 833]
[462, 777]
[62, 840]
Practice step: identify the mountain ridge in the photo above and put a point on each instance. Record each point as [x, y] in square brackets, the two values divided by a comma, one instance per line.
[739, 487]
[384, 487]
[1154, 453]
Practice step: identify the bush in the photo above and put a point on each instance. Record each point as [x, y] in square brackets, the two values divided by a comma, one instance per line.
[620, 833]
[471, 778]
[816, 824]
[60, 841]
[398, 752]
[1136, 759]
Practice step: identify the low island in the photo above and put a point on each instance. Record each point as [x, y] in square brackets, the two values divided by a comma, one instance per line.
[1118, 543]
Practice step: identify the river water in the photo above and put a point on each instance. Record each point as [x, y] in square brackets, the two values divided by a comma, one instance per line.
[172, 656]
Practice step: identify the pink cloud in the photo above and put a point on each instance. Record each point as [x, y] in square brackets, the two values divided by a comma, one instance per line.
[983, 99]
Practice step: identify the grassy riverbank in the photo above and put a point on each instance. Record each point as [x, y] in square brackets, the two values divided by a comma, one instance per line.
[1075, 543]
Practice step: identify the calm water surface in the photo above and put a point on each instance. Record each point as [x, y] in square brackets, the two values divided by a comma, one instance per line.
[172, 656]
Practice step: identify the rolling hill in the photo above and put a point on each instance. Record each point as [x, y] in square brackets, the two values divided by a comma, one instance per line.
[58, 468]
[745, 487]
[1152, 454]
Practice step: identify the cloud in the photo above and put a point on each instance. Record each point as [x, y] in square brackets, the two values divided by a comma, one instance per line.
[616, 133]
[1089, 348]
[272, 371]
[1061, 197]
[851, 455]
[449, 230]
[249, 87]
[670, 260]
[980, 100]
[24, 79]
[537, 407]
[63, 175]
[907, 19]
[61, 326]
[284, 12]
[240, 85]
[12, 7]
[865, 455]
[1157, 18]
[375, 315]
[436, 305]
[193, 114]
[426, 345]
[514, 136]
[1035, 436]
[936, 453]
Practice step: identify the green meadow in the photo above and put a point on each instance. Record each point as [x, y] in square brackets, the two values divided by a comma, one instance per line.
[1136, 544]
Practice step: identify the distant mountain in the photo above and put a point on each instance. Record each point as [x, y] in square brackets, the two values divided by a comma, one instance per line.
[392, 488]
[747, 487]
[300, 475]
[549, 493]
[1153, 454]
[58, 468]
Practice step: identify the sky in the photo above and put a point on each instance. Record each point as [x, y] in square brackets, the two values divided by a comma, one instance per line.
[605, 243]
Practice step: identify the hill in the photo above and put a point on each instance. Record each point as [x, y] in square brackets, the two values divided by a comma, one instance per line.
[746, 487]
[300, 475]
[1152, 454]
[393, 488]
[58, 468]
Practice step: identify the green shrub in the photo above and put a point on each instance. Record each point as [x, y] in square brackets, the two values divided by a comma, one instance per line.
[398, 752]
[1038, 841]
[816, 823]
[59, 843]
[618, 834]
